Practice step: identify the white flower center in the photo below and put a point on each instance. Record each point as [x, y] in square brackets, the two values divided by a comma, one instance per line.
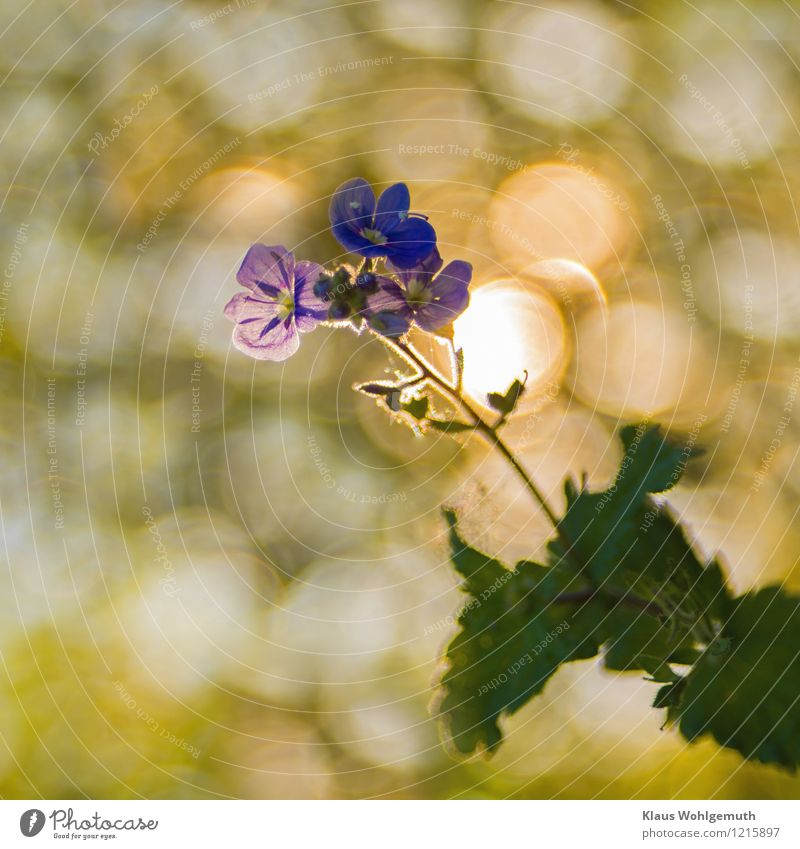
[417, 291]
[285, 303]
[374, 236]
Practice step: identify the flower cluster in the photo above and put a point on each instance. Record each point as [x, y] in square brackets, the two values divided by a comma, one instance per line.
[409, 287]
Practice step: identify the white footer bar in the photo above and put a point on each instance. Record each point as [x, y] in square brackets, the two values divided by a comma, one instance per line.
[389, 824]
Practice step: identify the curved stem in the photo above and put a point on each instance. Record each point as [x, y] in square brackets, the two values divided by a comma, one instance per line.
[491, 435]
[452, 392]
[428, 372]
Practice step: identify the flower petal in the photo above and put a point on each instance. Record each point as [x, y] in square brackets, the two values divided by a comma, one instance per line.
[309, 310]
[390, 297]
[450, 291]
[454, 274]
[352, 205]
[259, 332]
[278, 343]
[242, 307]
[426, 267]
[410, 243]
[267, 269]
[388, 324]
[355, 242]
[393, 205]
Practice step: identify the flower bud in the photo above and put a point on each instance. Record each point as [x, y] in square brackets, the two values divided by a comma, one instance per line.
[339, 311]
[367, 282]
[322, 287]
[341, 277]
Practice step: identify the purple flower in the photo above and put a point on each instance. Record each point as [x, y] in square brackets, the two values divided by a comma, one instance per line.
[280, 303]
[385, 230]
[422, 295]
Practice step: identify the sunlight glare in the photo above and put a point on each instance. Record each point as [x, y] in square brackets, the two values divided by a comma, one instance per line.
[506, 331]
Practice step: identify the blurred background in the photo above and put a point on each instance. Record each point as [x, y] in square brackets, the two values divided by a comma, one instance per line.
[228, 578]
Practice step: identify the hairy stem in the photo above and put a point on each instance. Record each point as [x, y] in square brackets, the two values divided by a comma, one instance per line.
[451, 392]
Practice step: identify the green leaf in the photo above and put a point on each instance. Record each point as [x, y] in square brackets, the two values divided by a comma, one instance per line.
[669, 697]
[477, 569]
[635, 550]
[623, 577]
[604, 525]
[639, 641]
[629, 544]
[514, 635]
[685, 657]
[450, 426]
[386, 392]
[506, 402]
[651, 463]
[375, 390]
[745, 689]
[417, 407]
[661, 563]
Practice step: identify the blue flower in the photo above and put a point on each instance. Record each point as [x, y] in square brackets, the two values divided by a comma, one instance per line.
[281, 303]
[385, 230]
[429, 299]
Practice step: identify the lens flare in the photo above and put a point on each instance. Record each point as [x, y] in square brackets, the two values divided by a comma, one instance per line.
[558, 210]
[566, 280]
[506, 331]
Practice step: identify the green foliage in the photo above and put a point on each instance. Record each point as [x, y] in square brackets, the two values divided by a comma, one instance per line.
[623, 580]
[416, 407]
[450, 426]
[388, 393]
[745, 688]
[622, 532]
[506, 402]
[513, 637]
[669, 696]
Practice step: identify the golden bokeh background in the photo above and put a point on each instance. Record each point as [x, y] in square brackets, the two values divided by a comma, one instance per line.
[229, 579]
